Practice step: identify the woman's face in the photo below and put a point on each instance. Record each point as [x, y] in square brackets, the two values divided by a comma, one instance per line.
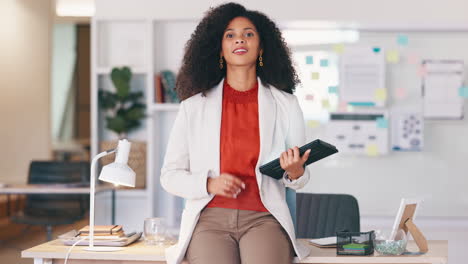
[241, 43]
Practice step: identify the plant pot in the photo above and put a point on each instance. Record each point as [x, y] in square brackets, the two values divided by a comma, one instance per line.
[136, 159]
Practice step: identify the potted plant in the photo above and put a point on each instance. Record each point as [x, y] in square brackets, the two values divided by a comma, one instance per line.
[124, 113]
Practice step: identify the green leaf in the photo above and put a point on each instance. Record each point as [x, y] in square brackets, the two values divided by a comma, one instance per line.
[134, 97]
[126, 73]
[121, 79]
[132, 124]
[137, 105]
[116, 124]
[125, 105]
[135, 113]
[122, 87]
[122, 112]
[107, 100]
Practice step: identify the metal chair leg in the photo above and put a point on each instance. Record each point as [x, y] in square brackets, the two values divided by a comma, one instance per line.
[49, 232]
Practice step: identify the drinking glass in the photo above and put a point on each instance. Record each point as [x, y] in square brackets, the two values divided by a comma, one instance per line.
[154, 231]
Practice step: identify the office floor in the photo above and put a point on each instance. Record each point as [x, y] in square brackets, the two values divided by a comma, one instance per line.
[13, 239]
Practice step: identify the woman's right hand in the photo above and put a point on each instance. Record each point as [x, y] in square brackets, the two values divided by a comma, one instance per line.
[226, 185]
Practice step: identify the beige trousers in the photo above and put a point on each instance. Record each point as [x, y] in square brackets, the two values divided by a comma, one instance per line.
[231, 236]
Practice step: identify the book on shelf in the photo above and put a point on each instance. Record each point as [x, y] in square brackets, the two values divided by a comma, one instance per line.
[168, 80]
[158, 89]
[164, 87]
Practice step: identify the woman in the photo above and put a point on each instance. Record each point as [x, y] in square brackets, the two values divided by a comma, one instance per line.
[237, 113]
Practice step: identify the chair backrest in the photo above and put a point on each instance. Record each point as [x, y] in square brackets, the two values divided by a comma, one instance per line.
[291, 201]
[58, 172]
[322, 215]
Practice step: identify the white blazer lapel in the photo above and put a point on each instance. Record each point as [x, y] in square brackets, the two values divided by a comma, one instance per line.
[267, 119]
[212, 127]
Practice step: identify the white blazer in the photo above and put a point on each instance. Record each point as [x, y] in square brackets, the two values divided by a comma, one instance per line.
[193, 155]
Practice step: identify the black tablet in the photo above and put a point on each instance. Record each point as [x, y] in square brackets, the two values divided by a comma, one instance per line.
[319, 149]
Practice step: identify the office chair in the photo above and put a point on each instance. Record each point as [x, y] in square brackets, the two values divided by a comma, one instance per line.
[322, 215]
[55, 209]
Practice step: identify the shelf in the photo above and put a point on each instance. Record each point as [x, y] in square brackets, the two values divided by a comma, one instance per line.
[131, 192]
[164, 107]
[107, 70]
[135, 193]
[146, 46]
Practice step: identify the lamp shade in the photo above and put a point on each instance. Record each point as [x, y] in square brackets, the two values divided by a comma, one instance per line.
[119, 172]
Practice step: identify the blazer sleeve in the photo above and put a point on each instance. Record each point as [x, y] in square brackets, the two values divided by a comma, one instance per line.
[176, 177]
[296, 137]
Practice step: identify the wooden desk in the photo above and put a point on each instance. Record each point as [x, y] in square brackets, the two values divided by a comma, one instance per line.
[56, 189]
[138, 253]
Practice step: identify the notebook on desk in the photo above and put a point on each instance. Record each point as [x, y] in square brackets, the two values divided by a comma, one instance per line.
[72, 237]
[326, 242]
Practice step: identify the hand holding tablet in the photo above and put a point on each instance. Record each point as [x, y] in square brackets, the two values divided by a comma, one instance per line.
[319, 149]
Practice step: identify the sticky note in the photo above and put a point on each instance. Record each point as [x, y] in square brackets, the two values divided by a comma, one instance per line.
[324, 63]
[402, 40]
[326, 103]
[463, 91]
[381, 122]
[393, 56]
[400, 93]
[333, 89]
[362, 103]
[309, 60]
[313, 123]
[309, 97]
[372, 150]
[343, 106]
[338, 48]
[422, 71]
[315, 75]
[412, 59]
[376, 49]
[381, 94]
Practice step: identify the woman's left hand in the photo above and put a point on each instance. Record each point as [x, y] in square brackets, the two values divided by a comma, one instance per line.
[293, 163]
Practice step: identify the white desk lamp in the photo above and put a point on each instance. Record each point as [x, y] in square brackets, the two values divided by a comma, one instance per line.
[117, 172]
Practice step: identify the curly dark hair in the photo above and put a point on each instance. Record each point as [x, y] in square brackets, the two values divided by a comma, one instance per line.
[200, 66]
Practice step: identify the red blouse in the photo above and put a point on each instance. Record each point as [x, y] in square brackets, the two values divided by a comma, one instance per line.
[240, 147]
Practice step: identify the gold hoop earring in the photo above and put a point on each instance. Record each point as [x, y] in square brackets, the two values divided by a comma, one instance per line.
[221, 62]
[260, 60]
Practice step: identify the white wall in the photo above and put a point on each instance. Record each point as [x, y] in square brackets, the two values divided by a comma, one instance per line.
[438, 174]
[25, 34]
[359, 11]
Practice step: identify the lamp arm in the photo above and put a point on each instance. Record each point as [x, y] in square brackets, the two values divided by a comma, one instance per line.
[92, 193]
